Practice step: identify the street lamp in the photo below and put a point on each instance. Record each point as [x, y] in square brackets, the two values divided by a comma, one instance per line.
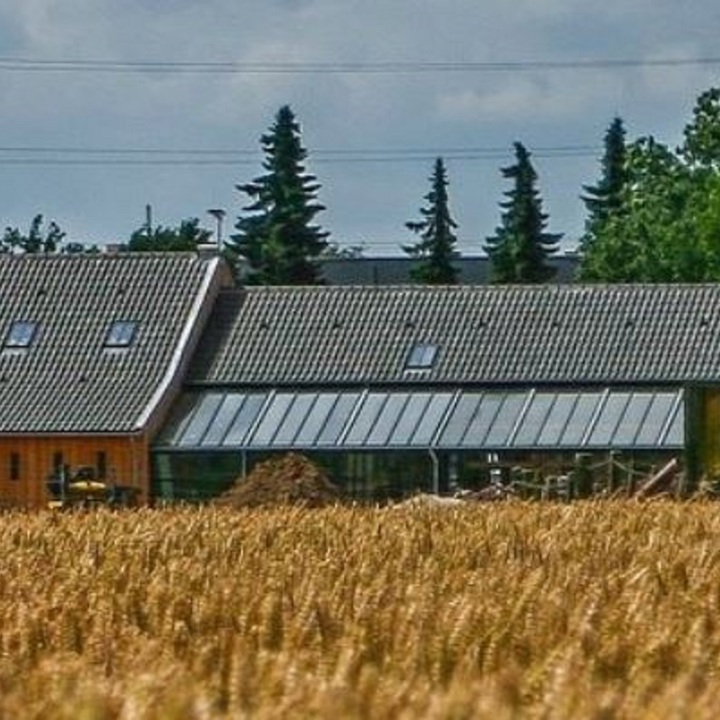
[219, 215]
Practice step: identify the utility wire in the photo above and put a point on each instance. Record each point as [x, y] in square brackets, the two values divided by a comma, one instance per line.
[18, 64]
[315, 152]
[32, 155]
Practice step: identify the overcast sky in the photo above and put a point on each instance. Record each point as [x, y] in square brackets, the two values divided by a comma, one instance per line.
[91, 145]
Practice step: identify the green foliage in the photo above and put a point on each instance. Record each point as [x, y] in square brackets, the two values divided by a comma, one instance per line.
[39, 239]
[186, 237]
[436, 248]
[701, 148]
[276, 235]
[520, 248]
[666, 225]
[631, 243]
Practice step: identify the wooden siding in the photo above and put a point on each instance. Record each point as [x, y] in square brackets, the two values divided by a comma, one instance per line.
[126, 458]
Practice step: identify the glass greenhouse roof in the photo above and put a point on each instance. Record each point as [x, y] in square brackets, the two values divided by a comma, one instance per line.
[493, 420]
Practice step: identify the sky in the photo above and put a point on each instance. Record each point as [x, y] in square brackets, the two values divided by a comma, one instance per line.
[108, 106]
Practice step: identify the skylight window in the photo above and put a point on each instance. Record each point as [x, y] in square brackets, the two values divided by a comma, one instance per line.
[20, 334]
[422, 356]
[121, 334]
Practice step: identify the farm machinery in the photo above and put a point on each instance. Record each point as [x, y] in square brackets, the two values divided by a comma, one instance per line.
[82, 489]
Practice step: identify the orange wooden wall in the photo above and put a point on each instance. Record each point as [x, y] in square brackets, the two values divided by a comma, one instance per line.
[127, 459]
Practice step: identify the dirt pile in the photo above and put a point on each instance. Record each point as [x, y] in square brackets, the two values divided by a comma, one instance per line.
[291, 479]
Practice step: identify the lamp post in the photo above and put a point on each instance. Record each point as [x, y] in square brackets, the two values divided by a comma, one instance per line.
[219, 215]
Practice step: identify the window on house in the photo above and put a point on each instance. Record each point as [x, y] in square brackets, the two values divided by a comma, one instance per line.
[121, 334]
[421, 357]
[14, 466]
[101, 465]
[20, 334]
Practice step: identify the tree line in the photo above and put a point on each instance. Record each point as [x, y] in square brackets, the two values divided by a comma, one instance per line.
[652, 216]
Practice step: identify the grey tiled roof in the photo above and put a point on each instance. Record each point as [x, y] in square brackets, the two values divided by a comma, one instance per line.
[66, 381]
[495, 334]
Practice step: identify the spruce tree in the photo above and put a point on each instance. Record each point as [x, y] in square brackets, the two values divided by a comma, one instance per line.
[276, 235]
[520, 248]
[436, 248]
[604, 201]
[605, 198]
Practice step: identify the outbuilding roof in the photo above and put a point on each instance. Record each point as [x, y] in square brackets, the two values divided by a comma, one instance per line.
[92, 343]
[553, 334]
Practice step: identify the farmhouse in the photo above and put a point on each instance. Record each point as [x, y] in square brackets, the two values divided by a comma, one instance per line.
[158, 372]
[92, 350]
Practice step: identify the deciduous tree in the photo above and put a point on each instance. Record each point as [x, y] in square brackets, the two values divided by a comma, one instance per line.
[38, 239]
[187, 236]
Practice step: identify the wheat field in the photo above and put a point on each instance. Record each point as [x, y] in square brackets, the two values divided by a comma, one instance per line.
[589, 610]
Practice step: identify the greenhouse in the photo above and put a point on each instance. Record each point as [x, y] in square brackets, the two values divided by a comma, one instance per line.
[385, 443]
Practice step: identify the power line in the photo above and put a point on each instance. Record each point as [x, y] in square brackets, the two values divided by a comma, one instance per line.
[78, 156]
[60, 149]
[17, 64]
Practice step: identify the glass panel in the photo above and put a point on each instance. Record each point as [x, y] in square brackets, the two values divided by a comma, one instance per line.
[632, 420]
[387, 419]
[271, 419]
[580, 418]
[223, 418]
[316, 419]
[195, 476]
[430, 421]
[339, 418]
[482, 422]
[294, 419]
[121, 333]
[366, 418]
[20, 334]
[181, 415]
[557, 419]
[201, 419]
[410, 419]
[244, 420]
[610, 416]
[422, 356]
[676, 434]
[506, 419]
[532, 422]
[460, 418]
[656, 419]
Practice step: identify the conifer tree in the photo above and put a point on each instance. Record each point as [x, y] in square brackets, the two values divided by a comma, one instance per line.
[436, 248]
[520, 248]
[276, 235]
[604, 201]
[606, 197]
